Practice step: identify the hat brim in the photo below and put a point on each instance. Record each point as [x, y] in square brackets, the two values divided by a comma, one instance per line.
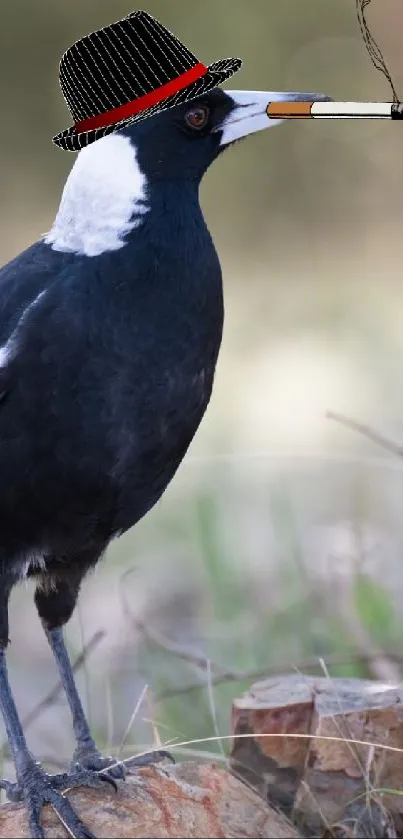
[217, 73]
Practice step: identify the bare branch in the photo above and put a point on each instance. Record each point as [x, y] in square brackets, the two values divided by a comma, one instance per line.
[167, 644]
[371, 433]
[311, 664]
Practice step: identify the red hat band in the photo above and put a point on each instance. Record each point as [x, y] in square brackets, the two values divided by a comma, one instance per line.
[134, 107]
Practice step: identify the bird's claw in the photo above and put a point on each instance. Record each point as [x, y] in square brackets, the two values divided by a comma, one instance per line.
[12, 789]
[82, 777]
[36, 788]
[113, 770]
[94, 763]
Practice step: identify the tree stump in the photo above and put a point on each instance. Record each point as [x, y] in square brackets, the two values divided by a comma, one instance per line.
[321, 783]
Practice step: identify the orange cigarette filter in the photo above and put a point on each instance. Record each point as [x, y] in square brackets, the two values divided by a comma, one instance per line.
[290, 110]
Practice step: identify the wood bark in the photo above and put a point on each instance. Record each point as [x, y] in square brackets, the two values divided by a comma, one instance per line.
[321, 778]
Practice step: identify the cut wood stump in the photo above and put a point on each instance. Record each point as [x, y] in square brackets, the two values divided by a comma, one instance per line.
[187, 800]
[327, 787]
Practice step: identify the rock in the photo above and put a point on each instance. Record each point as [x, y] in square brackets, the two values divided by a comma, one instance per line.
[186, 800]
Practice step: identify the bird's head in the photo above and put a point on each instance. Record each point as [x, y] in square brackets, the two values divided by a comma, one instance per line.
[182, 142]
[114, 182]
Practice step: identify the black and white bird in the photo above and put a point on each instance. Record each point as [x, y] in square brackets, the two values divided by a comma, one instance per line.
[110, 328]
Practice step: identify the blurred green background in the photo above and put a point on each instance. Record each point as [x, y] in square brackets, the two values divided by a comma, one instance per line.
[281, 538]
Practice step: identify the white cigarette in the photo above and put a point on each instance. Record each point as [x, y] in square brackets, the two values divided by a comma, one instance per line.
[334, 110]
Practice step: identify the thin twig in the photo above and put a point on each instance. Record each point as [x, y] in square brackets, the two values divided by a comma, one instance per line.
[109, 713]
[170, 646]
[157, 742]
[212, 705]
[217, 675]
[132, 718]
[274, 670]
[167, 644]
[371, 433]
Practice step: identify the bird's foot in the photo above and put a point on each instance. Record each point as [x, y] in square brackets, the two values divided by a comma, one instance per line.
[112, 769]
[36, 788]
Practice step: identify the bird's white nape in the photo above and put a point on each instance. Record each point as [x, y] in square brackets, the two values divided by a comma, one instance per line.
[103, 200]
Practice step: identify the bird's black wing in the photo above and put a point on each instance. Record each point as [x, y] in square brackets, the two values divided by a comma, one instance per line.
[22, 280]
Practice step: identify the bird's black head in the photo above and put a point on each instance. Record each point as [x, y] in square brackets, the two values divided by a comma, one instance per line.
[117, 181]
[182, 142]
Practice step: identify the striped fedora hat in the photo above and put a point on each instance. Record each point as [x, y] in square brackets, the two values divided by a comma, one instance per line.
[126, 72]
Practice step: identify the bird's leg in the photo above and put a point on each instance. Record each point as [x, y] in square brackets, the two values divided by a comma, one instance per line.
[33, 785]
[85, 743]
[86, 755]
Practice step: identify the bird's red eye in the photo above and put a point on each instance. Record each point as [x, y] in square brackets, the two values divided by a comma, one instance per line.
[197, 117]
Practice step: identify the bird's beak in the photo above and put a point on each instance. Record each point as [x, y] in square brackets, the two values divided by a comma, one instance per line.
[249, 113]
